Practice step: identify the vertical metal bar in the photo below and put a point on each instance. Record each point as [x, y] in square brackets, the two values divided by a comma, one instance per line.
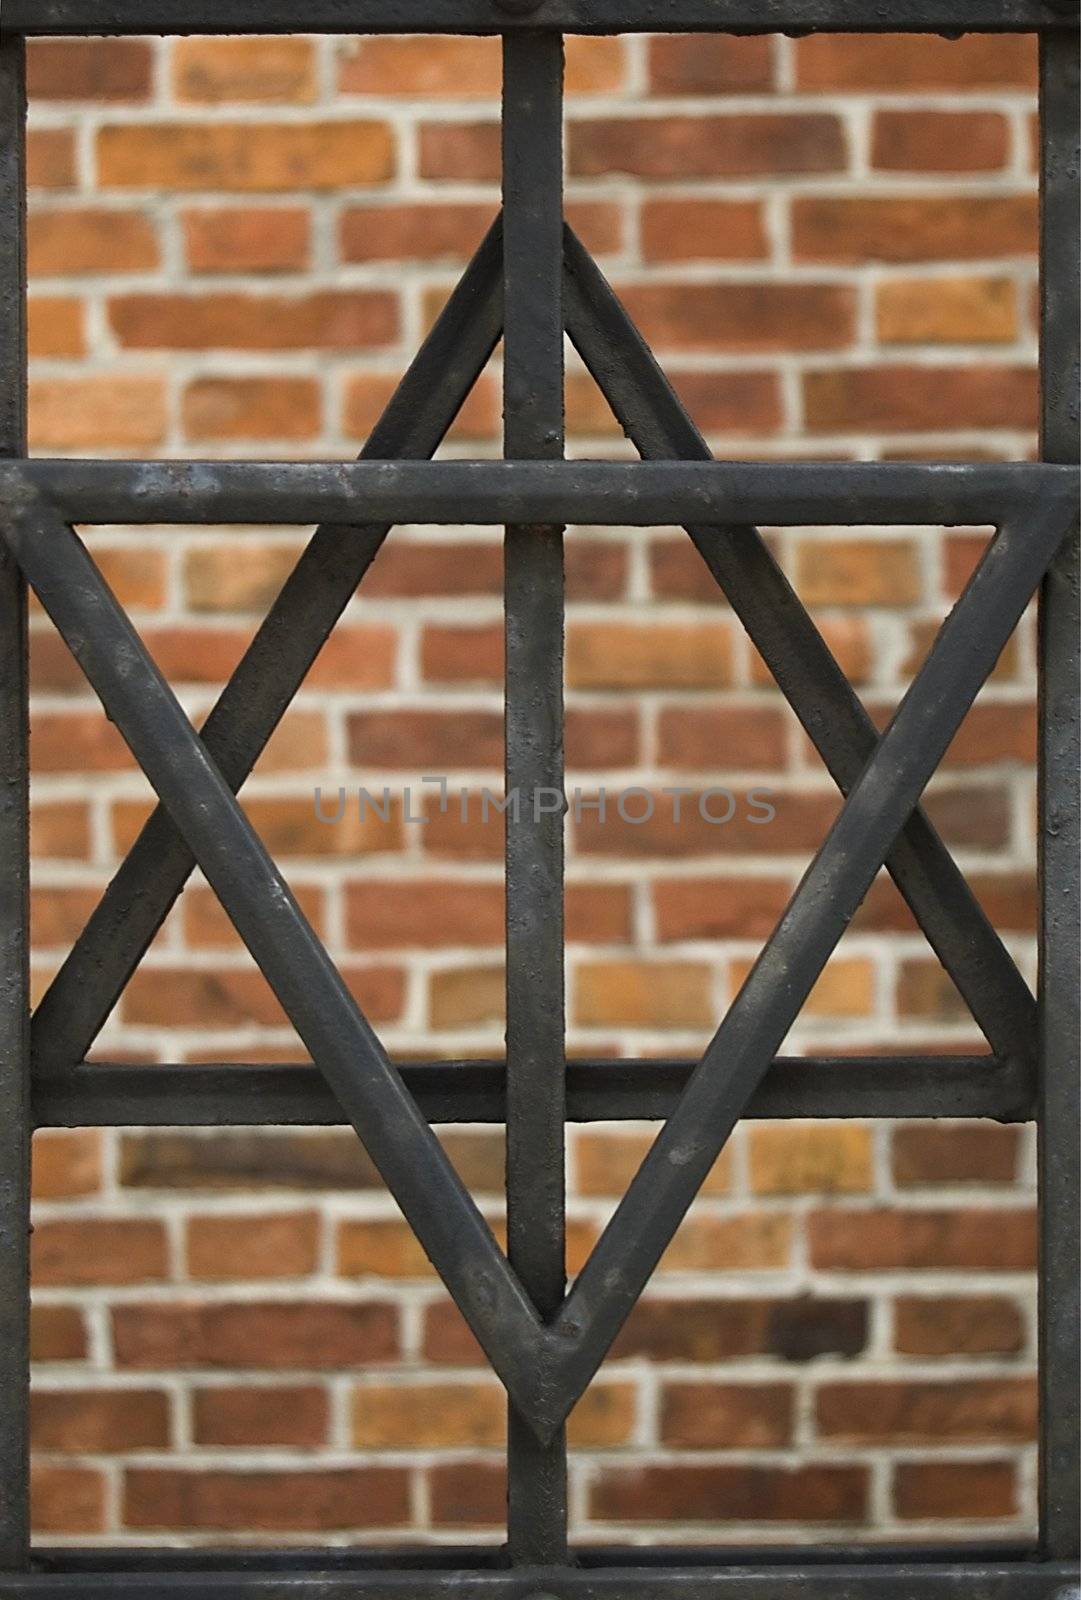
[533, 599]
[1059, 762]
[14, 847]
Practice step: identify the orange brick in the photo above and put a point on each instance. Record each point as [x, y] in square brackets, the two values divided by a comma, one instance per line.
[90, 239]
[97, 412]
[703, 230]
[643, 994]
[428, 1416]
[66, 1162]
[60, 828]
[252, 408]
[214, 71]
[636, 655]
[946, 311]
[957, 1325]
[748, 1242]
[466, 997]
[279, 1245]
[214, 580]
[56, 326]
[857, 572]
[50, 158]
[605, 1163]
[325, 320]
[428, 68]
[797, 1158]
[231, 155]
[249, 239]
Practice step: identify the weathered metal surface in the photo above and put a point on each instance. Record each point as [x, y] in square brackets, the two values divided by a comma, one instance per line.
[543, 1346]
[533, 605]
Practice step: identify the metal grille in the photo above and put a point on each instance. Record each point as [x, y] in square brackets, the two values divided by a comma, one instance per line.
[530, 281]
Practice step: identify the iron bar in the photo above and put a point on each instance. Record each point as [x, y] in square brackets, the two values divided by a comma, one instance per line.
[92, 977]
[1059, 1126]
[107, 1095]
[490, 493]
[565, 16]
[14, 848]
[793, 957]
[956, 926]
[533, 603]
[911, 1580]
[309, 987]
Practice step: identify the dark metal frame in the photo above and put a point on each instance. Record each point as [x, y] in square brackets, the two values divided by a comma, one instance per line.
[530, 280]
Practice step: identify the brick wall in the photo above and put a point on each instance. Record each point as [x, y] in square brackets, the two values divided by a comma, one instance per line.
[235, 248]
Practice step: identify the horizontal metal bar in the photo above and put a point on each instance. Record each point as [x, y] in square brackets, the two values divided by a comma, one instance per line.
[639, 493]
[486, 1557]
[909, 1580]
[175, 1095]
[567, 16]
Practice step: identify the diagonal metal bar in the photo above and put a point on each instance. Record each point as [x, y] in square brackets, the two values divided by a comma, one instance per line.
[309, 987]
[654, 419]
[778, 984]
[86, 988]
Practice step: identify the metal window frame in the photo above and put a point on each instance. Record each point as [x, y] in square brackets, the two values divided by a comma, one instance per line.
[530, 280]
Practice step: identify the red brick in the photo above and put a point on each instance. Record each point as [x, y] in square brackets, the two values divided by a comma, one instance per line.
[227, 997]
[470, 1492]
[66, 1499]
[974, 1152]
[710, 63]
[939, 141]
[727, 1416]
[99, 1421]
[89, 69]
[57, 1333]
[977, 1490]
[882, 1240]
[428, 68]
[730, 1494]
[255, 1416]
[957, 1325]
[251, 239]
[445, 568]
[319, 1499]
[750, 144]
[97, 1250]
[920, 399]
[975, 1410]
[712, 738]
[742, 316]
[719, 908]
[866, 228]
[268, 1334]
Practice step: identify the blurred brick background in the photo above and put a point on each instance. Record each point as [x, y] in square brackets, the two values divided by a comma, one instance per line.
[235, 247]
